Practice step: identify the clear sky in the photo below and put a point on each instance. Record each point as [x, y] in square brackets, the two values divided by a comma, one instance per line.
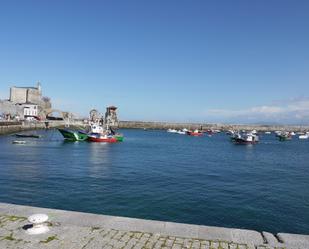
[170, 60]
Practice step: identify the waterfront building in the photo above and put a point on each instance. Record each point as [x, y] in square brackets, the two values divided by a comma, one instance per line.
[30, 110]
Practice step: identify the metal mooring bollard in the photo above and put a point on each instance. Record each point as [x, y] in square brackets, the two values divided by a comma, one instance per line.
[38, 224]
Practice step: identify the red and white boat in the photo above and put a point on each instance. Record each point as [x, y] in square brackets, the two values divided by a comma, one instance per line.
[98, 134]
[195, 133]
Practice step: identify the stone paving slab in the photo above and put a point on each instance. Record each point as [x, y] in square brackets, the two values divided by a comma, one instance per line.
[85, 231]
[294, 240]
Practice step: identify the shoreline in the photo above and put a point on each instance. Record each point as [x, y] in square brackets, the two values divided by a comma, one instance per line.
[64, 222]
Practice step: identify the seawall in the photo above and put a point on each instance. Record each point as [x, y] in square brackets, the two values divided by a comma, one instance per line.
[167, 125]
[14, 127]
[68, 229]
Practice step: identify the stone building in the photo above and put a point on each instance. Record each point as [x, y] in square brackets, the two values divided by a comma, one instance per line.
[26, 102]
[111, 118]
[19, 95]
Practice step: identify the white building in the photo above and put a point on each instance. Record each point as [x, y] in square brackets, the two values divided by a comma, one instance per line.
[30, 110]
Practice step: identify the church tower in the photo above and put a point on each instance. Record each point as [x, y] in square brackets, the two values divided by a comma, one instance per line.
[39, 87]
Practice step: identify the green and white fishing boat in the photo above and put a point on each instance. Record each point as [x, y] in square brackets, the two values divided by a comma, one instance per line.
[73, 135]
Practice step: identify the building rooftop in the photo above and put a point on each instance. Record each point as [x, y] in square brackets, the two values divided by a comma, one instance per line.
[26, 87]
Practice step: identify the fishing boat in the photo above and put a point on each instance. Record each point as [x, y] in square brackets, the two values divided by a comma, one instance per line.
[247, 138]
[73, 135]
[27, 135]
[284, 136]
[98, 133]
[195, 133]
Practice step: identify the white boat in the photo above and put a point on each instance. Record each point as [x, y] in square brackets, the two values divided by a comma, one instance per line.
[292, 133]
[18, 142]
[172, 131]
[267, 132]
[305, 136]
[183, 131]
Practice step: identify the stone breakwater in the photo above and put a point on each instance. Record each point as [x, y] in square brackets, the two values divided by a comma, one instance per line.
[84, 231]
[192, 126]
[14, 127]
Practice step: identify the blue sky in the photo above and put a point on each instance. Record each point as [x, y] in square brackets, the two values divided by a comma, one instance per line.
[210, 61]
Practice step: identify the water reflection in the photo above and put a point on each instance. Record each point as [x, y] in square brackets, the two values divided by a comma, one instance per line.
[99, 159]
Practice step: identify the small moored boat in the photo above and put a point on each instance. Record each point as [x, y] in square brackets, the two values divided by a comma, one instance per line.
[284, 136]
[172, 131]
[18, 142]
[183, 131]
[304, 136]
[27, 135]
[248, 138]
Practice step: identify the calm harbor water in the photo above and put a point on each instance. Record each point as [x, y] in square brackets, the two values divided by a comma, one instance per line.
[162, 176]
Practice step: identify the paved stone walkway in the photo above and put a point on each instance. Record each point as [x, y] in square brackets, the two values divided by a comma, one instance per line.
[13, 235]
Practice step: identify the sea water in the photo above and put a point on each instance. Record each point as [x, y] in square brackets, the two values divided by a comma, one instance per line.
[162, 176]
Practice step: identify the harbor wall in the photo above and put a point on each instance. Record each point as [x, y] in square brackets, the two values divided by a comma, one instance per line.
[9, 127]
[225, 127]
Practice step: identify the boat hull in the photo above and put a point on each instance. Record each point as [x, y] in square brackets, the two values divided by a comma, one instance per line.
[242, 141]
[102, 140]
[73, 135]
[195, 134]
[283, 138]
[119, 138]
[27, 135]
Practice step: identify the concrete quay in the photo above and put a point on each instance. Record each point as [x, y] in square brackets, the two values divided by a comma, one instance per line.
[75, 230]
